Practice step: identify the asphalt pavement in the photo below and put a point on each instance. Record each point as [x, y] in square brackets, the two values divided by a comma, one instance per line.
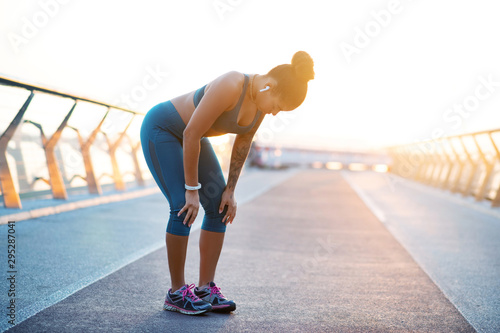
[307, 255]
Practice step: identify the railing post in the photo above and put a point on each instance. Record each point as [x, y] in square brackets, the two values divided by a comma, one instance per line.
[444, 174]
[496, 200]
[440, 165]
[456, 184]
[468, 184]
[449, 163]
[19, 158]
[138, 173]
[488, 169]
[11, 198]
[428, 160]
[390, 152]
[409, 153]
[430, 170]
[117, 176]
[56, 180]
[398, 161]
[92, 181]
[405, 168]
[418, 176]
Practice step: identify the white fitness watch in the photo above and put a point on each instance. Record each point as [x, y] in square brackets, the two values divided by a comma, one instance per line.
[192, 187]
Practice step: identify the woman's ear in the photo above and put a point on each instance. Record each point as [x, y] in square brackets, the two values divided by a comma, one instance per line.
[271, 83]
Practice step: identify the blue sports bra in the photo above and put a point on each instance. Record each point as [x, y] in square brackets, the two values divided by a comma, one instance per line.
[227, 122]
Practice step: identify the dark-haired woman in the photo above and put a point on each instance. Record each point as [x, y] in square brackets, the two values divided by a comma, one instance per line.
[174, 137]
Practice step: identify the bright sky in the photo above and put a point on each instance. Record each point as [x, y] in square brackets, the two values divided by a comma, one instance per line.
[387, 72]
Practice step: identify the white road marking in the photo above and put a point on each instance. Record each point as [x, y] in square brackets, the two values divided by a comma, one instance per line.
[368, 202]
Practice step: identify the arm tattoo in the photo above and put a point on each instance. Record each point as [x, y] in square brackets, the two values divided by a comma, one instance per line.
[239, 154]
[241, 147]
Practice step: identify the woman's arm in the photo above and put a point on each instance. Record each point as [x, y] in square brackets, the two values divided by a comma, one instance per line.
[191, 149]
[241, 147]
[239, 154]
[219, 96]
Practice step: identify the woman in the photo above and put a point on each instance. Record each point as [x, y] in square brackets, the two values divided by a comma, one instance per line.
[178, 153]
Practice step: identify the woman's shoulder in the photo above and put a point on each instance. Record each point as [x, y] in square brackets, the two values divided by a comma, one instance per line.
[233, 80]
[234, 76]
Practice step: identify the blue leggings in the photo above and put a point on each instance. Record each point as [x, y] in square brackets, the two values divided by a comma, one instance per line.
[161, 140]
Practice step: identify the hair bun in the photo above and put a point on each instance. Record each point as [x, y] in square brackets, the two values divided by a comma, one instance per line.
[303, 65]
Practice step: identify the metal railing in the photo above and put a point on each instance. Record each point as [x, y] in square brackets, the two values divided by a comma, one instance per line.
[468, 164]
[55, 180]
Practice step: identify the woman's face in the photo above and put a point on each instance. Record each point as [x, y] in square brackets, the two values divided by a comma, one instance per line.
[270, 103]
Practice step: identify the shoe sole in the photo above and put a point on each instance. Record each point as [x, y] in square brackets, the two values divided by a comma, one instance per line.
[171, 307]
[224, 308]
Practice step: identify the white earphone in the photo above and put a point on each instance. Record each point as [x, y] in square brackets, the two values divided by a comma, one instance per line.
[266, 88]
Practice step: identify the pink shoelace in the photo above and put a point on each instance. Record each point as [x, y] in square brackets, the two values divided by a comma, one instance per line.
[189, 292]
[216, 290]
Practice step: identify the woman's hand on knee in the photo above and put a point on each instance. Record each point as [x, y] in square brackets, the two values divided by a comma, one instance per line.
[228, 199]
[191, 207]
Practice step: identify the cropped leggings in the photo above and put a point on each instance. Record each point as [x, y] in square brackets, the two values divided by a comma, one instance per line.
[161, 140]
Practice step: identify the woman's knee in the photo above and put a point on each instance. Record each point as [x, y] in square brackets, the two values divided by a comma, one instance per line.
[213, 224]
[175, 224]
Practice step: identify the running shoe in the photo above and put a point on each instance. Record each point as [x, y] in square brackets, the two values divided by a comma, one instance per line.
[213, 295]
[185, 301]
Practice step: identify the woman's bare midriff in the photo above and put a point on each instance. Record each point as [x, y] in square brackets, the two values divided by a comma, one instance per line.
[185, 107]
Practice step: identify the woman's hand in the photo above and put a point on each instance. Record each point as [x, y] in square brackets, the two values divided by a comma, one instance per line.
[228, 199]
[191, 207]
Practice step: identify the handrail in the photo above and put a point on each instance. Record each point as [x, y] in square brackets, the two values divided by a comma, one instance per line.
[32, 87]
[466, 173]
[11, 196]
